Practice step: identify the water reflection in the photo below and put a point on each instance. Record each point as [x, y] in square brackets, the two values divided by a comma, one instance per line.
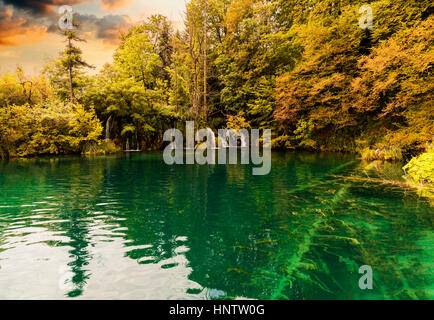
[133, 227]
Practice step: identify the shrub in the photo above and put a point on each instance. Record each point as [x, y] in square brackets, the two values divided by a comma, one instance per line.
[421, 168]
[49, 128]
[389, 153]
[368, 154]
[282, 142]
[100, 148]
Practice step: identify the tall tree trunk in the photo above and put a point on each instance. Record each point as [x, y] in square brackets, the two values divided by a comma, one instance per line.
[176, 88]
[29, 98]
[195, 90]
[194, 58]
[71, 92]
[28, 95]
[205, 111]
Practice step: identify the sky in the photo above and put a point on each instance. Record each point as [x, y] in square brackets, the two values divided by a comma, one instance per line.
[29, 35]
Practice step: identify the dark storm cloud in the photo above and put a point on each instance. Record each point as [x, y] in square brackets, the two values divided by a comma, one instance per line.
[16, 29]
[107, 28]
[43, 7]
[27, 18]
[40, 6]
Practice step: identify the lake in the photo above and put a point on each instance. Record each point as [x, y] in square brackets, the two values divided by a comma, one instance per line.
[131, 227]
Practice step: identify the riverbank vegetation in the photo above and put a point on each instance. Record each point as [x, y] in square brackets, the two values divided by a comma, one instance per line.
[421, 168]
[305, 69]
[420, 172]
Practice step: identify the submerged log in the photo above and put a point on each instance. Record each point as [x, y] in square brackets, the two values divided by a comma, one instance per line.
[372, 180]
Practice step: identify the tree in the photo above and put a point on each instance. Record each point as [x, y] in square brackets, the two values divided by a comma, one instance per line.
[205, 68]
[195, 42]
[25, 84]
[66, 72]
[71, 60]
[255, 50]
[18, 89]
[395, 87]
[11, 92]
[132, 93]
[49, 128]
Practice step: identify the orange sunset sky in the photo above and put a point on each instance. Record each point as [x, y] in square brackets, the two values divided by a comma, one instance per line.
[29, 35]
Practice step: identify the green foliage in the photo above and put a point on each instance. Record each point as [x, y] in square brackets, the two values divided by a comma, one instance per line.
[84, 127]
[10, 91]
[368, 154]
[395, 87]
[282, 142]
[128, 128]
[133, 91]
[420, 169]
[13, 129]
[17, 89]
[65, 73]
[352, 83]
[135, 58]
[388, 153]
[100, 148]
[237, 122]
[49, 128]
[301, 68]
[253, 52]
[303, 133]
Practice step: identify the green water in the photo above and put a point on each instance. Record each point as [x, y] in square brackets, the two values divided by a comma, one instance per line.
[131, 227]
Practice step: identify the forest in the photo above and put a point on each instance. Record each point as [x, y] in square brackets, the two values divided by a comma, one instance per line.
[303, 68]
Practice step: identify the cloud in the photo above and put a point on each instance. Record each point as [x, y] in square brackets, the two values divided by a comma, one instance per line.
[16, 30]
[19, 26]
[111, 5]
[108, 28]
[27, 21]
[111, 26]
[41, 7]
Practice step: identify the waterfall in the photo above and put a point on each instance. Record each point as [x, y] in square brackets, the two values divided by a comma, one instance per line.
[137, 142]
[211, 138]
[244, 138]
[107, 128]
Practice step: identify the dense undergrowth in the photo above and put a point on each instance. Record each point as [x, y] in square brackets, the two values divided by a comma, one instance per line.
[420, 173]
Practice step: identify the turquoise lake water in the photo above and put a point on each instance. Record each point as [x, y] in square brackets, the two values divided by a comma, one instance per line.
[131, 227]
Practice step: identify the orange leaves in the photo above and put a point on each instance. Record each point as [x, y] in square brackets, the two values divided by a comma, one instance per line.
[237, 11]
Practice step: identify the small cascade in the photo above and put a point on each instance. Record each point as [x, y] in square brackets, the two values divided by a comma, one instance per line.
[137, 142]
[107, 128]
[211, 138]
[244, 138]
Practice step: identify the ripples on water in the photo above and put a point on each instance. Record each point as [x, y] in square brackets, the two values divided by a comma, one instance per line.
[131, 227]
